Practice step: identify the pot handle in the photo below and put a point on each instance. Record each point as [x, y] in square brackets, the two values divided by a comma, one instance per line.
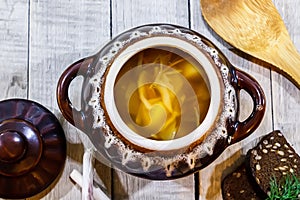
[66, 107]
[251, 86]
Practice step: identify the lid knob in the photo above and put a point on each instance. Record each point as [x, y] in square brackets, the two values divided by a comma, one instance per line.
[12, 146]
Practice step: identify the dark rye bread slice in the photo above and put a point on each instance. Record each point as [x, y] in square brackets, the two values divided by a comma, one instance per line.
[239, 185]
[272, 157]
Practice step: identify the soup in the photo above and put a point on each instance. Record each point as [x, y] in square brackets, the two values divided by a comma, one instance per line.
[162, 93]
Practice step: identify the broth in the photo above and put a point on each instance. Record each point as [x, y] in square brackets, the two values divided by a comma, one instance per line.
[162, 93]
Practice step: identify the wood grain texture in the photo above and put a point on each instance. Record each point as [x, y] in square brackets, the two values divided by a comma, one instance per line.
[211, 176]
[244, 23]
[286, 97]
[128, 14]
[13, 48]
[62, 32]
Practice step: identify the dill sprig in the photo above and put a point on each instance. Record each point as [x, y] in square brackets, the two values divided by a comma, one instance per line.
[286, 189]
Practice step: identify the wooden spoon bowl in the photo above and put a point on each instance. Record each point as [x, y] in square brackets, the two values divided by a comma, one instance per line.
[255, 27]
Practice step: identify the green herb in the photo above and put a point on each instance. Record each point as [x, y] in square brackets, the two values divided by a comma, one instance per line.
[286, 189]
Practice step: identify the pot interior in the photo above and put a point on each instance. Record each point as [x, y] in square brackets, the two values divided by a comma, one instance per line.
[162, 93]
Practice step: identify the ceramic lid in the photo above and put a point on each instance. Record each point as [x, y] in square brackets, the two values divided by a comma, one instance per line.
[32, 148]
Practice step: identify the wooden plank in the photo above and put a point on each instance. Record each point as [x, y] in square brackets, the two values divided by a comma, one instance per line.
[211, 176]
[127, 14]
[130, 13]
[286, 96]
[13, 48]
[62, 32]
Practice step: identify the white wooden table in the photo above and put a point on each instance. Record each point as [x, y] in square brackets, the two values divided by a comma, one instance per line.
[40, 38]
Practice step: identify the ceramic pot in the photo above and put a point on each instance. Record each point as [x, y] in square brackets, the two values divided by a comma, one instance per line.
[100, 117]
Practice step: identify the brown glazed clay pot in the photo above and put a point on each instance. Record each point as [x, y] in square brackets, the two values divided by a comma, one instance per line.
[133, 153]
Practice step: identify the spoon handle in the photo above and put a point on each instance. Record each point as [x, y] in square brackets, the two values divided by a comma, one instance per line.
[290, 64]
[285, 57]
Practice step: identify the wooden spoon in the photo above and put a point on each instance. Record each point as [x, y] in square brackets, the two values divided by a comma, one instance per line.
[255, 27]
